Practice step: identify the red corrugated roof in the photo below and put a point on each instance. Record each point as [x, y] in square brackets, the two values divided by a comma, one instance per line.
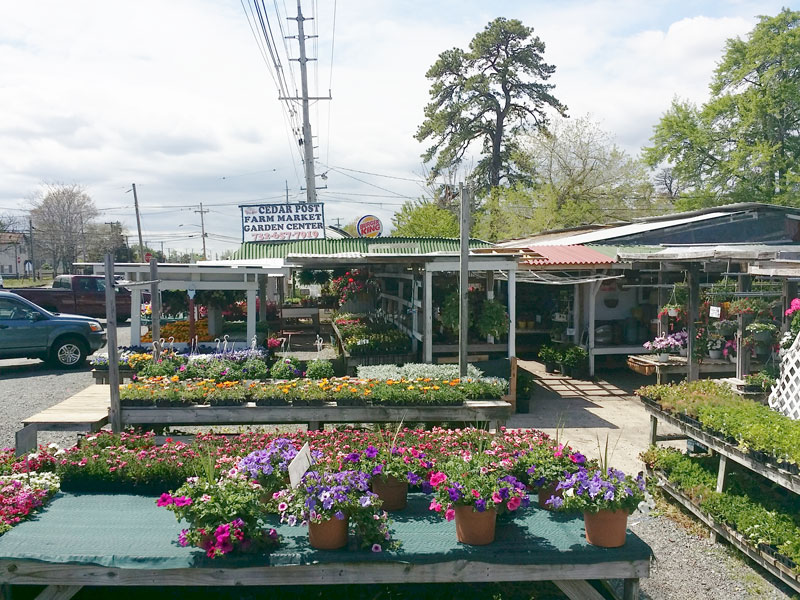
[567, 255]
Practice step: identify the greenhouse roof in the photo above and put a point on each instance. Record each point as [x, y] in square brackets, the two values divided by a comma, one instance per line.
[393, 245]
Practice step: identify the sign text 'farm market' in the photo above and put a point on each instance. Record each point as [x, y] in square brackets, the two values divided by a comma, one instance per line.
[281, 222]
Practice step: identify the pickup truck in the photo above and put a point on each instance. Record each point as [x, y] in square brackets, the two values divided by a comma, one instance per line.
[29, 331]
[80, 295]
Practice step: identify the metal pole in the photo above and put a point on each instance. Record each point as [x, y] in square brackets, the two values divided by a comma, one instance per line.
[308, 142]
[203, 227]
[138, 223]
[33, 260]
[463, 283]
[114, 415]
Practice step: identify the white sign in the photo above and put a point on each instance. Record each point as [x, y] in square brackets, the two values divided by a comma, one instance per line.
[282, 222]
[714, 311]
[299, 465]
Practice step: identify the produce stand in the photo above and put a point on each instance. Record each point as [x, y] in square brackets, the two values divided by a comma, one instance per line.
[125, 540]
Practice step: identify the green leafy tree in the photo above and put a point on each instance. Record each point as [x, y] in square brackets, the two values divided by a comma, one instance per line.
[487, 95]
[424, 219]
[580, 177]
[744, 143]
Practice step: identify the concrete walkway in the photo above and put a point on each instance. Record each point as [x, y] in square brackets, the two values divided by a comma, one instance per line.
[584, 413]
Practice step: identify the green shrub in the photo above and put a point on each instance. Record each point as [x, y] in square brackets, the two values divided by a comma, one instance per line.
[319, 369]
[286, 368]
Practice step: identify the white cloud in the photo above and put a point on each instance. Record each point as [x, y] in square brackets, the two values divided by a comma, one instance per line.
[175, 95]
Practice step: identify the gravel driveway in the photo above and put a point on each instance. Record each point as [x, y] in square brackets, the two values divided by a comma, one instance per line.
[686, 566]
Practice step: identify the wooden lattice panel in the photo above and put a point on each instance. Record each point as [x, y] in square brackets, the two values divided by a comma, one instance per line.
[785, 395]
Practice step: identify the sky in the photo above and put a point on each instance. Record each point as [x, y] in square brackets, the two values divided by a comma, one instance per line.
[179, 98]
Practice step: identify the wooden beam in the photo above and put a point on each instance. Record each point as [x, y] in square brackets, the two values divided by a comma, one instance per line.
[59, 592]
[743, 284]
[578, 589]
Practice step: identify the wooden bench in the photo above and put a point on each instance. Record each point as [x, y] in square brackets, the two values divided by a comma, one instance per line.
[85, 411]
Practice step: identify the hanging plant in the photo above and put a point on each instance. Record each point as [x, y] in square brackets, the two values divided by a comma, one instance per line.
[492, 320]
[450, 313]
[305, 277]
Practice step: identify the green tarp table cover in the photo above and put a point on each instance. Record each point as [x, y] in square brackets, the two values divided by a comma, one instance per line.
[130, 531]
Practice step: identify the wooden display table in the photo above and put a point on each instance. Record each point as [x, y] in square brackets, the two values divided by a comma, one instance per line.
[676, 365]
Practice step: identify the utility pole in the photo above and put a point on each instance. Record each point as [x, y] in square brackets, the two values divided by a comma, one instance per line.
[307, 141]
[30, 238]
[287, 191]
[138, 223]
[203, 227]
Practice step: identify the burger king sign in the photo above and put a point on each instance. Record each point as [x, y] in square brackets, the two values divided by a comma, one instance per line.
[369, 226]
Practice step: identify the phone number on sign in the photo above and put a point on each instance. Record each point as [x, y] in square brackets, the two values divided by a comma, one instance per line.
[284, 235]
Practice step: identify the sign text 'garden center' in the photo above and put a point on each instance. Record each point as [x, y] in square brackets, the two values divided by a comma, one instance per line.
[281, 222]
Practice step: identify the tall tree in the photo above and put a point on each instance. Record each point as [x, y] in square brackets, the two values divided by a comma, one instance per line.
[487, 95]
[424, 219]
[60, 216]
[744, 143]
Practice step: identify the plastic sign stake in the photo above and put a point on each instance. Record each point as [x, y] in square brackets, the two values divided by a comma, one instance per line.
[299, 465]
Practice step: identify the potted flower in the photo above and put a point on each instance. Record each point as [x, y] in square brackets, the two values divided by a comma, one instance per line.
[549, 355]
[682, 337]
[328, 503]
[224, 515]
[672, 309]
[715, 343]
[662, 346]
[544, 466]
[492, 319]
[557, 331]
[389, 468]
[576, 359]
[751, 306]
[606, 496]
[270, 466]
[471, 491]
[729, 350]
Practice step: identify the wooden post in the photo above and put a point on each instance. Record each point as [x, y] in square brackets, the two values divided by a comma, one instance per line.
[463, 284]
[155, 308]
[251, 315]
[653, 430]
[136, 312]
[427, 293]
[721, 473]
[595, 287]
[743, 284]
[191, 293]
[114, 415]
[693, 372]
[262, 297]
[663, 320]
[512, 312]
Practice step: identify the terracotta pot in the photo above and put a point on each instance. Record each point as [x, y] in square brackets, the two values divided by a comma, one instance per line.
[475, 528]
[392, 491]
[328, 535]
[606, 528]
[546, 492]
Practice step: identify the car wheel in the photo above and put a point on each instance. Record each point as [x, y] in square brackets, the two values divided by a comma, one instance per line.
[68, 353]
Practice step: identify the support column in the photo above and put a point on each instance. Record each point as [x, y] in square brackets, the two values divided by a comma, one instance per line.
[136, 312]
[721, 474]
[663, 321]
[512, 313]
[155, 309]
[427, 292]
[694, 309]
[743, 284]
[576, 310]
[262, 297]
[595, 287]
[251, 316]
[414, 315]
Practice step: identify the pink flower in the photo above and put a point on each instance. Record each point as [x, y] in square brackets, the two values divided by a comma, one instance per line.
[165, 500]
[182, 501]
[437, 478]
[513, 503]
[376, 548]
[496, 498]
[435, 506]
[450, 514]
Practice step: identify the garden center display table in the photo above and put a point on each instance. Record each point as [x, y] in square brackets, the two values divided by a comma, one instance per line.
[677, 365]
[125, 540]
[493, 412]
